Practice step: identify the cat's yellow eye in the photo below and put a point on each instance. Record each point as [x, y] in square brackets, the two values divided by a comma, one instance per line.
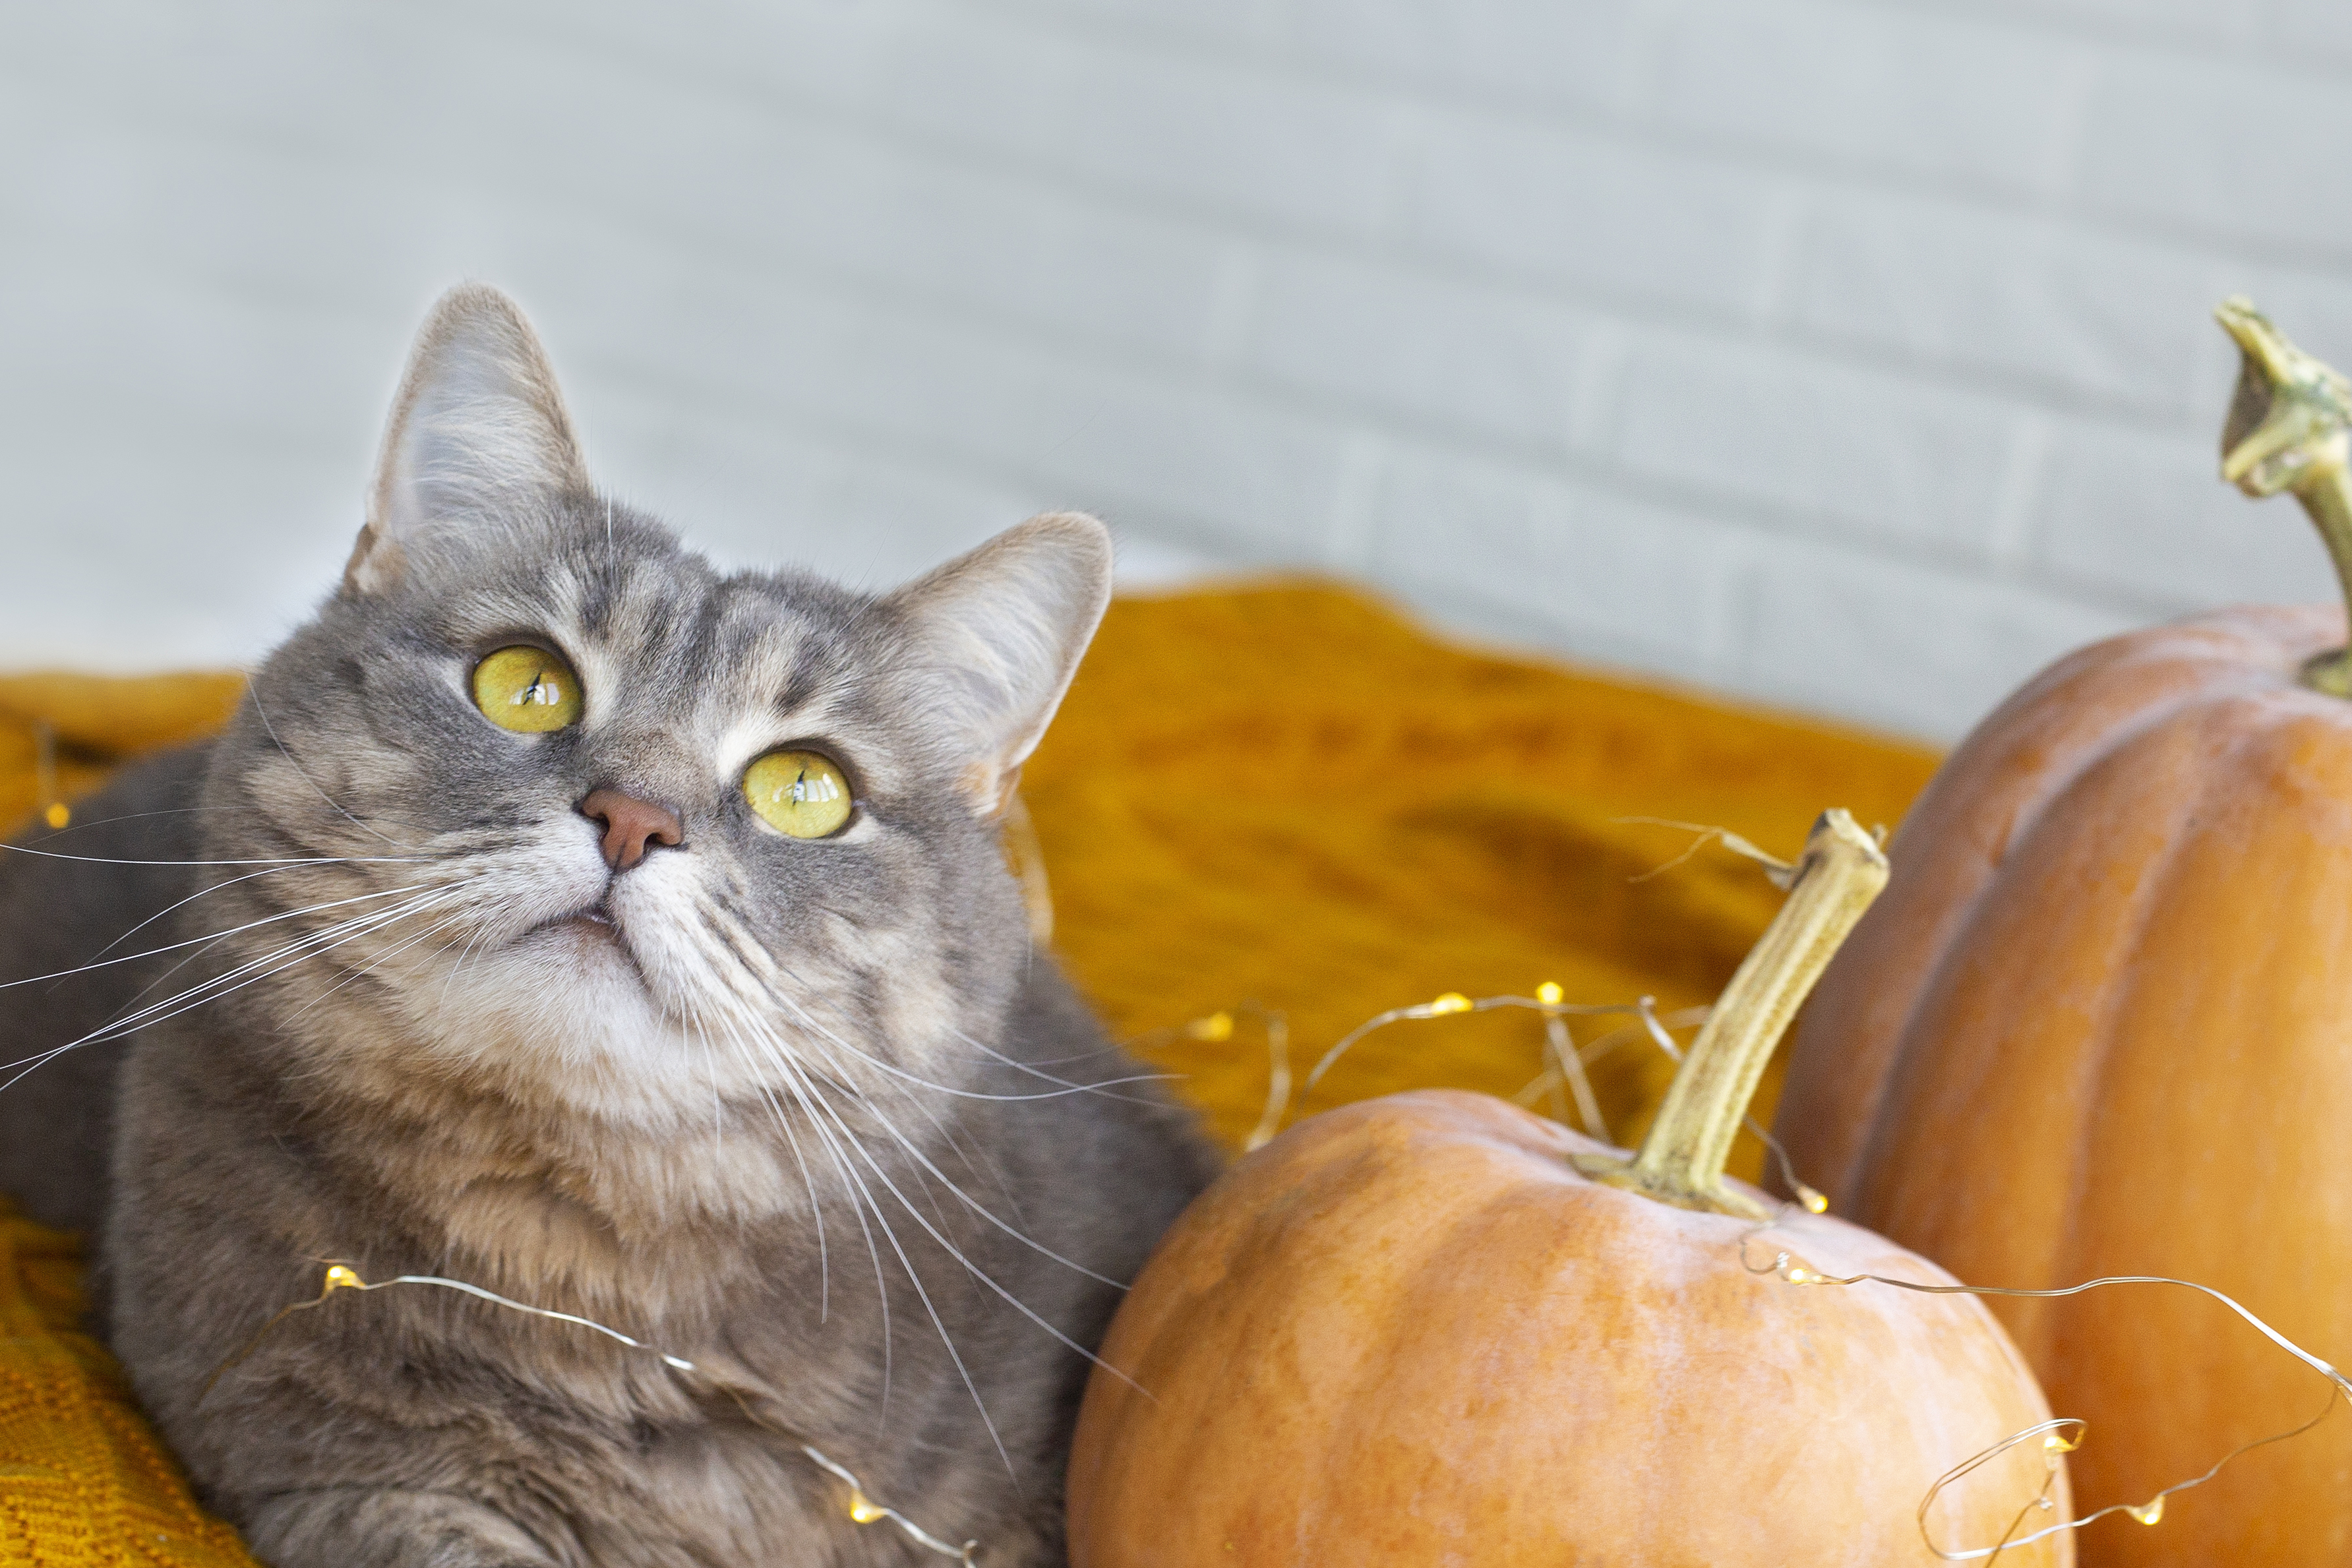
[798, 793]
[527, 688]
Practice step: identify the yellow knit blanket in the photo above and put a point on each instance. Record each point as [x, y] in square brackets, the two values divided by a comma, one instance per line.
[1271, 798]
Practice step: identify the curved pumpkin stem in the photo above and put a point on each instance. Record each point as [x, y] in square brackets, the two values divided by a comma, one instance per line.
[2287, 430]
[1682, 1160]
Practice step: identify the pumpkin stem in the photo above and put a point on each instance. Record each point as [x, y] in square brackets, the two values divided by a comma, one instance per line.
[2287, 431]
[1682, 1160]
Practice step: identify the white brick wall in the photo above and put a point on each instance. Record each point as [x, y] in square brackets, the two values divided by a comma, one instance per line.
[1852, 354]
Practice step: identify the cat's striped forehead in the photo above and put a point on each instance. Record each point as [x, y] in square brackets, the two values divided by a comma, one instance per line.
[727, 667]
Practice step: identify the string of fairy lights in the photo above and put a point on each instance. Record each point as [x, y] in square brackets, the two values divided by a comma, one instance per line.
[55, 812]
[1563, 1079]
[2054, 1444]
[861, 1509]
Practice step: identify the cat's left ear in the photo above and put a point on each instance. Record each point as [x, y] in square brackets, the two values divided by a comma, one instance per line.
[1001, 631]
[477, 424]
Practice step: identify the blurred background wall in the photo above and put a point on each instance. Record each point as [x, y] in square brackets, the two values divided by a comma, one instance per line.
[1850, 355]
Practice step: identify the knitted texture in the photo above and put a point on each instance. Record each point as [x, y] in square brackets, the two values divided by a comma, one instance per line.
[1289, 795]
[82, 1480]
[1282, 795]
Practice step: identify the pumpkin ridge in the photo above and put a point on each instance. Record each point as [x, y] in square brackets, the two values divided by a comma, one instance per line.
[1918, 1068]
[1846, 1185]
[2223, 640]
[2123, 734]
[2149, 901]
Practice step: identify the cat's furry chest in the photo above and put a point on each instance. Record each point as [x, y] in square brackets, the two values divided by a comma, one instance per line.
[655, 1223]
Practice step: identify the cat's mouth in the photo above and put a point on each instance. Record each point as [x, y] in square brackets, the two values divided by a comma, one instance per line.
[595, 924]
[594, 934]
[596, 921]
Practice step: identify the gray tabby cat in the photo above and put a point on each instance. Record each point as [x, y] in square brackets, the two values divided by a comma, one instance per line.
[563, 917]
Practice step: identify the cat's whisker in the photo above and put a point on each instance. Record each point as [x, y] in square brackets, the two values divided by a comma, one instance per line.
[1033, 1071]
[835, 1136]
[84, 824]
[181, 903]
[200, 941]
[809, 1022]
[778, 1051]
[943, 1129]
[734, 1014]
[816, 1207]
[735, 941]
[260, 860]
[974, 1160]
[381, 959]
[330, 935]
[861, 1200]
[219, 985]
[718, 1105]
[939, 1326]
[972, 1269]
[946, 1133]
[953, 1251]
[458, 968]
[202, 944]
[326, 938]
[784, 1125]
[318, 944]
[915, 1152]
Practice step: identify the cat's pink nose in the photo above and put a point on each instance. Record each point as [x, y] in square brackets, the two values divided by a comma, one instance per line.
[630, 825]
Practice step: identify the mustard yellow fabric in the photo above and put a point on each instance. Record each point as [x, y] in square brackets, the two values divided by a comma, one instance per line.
[1291, 796]
[82, 1479]
[67, 733]
[1272, 798]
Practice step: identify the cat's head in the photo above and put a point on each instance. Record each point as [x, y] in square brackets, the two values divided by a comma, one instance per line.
[594, 821]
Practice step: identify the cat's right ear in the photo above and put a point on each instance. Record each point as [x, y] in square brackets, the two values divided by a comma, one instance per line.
[477, 425]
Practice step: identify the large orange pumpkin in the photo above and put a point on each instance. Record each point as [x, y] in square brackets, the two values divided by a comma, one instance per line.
[2102, 1024]
[1435, 1328]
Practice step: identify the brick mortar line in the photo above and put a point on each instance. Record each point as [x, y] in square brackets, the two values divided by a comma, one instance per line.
[1807, 345]
[1763, 519]
[1470, 104]
[1821, 178]
[1248, 391]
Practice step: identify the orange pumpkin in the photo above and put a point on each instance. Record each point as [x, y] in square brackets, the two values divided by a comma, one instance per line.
[2102, 1024]
[1436, 1328]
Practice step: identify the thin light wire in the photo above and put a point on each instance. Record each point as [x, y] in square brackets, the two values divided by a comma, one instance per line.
[1218, 1028]
[864, 1511]
[1566, 1066]
[1454, 1001]
[1548, 1002]
[2148, 1512]
[862, 1508]
[54, 810]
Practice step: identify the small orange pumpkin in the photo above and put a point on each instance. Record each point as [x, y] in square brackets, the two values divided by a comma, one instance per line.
[2102, 1024]
[1436, 1328]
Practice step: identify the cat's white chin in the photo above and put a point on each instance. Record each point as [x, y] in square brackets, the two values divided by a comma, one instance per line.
[565, 1015]
[588, 940]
